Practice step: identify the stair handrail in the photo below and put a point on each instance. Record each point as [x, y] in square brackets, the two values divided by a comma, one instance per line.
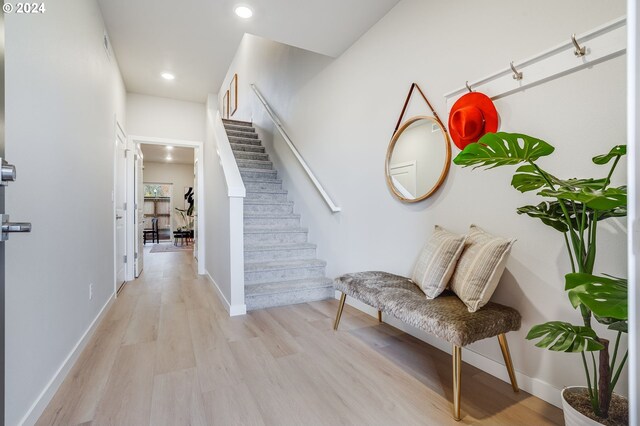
[296, 153]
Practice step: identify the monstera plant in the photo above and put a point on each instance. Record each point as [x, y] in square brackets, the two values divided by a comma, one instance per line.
[573, 207]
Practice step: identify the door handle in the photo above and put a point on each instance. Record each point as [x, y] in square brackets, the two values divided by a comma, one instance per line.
[11, 227]
[119, 217]
[7, 172]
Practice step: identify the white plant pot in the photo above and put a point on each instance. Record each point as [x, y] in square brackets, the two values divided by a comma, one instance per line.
[573, 417]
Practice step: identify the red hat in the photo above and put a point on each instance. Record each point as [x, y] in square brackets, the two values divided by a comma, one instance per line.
[471, 117]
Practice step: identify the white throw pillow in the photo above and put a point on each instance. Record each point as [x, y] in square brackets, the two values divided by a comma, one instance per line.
[437, 261]
[480, 267]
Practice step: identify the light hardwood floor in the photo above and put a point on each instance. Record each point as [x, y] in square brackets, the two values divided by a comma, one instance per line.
[168, 354]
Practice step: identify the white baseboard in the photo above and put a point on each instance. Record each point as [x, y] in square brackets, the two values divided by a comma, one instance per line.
[41, 402]
[536, 387]
[233, 310]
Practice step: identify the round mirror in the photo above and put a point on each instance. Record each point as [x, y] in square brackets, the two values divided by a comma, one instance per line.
[418, 159]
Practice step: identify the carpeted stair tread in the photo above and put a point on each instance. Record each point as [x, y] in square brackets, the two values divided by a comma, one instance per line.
[274, 247]
[268, 202]
[279, 265]
[248, 155]
[243, 147]
[267, 191]
[236, 128]
[292, 285]
[252, 170]
[246, 163]
[268, 215]
[237, 122]
[272, 230]
[240, 140]
[242, 135]
[261, 180]
[257, 173]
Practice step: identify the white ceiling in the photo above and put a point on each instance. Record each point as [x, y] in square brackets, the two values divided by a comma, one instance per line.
[158, 154]
[196, 39]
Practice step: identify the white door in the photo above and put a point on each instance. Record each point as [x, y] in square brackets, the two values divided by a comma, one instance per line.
[139, 212]
[120, 198]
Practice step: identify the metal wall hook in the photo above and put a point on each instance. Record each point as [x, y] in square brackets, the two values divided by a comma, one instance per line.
[580, 51]
[466, 83]
[517, 75]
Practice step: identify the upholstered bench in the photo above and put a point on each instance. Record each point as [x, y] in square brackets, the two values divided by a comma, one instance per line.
[446, 316]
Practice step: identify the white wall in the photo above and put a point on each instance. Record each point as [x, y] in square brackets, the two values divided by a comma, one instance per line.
[278, 70]
[341, 116]
[180, 175]
[165, 118]
[63, 95]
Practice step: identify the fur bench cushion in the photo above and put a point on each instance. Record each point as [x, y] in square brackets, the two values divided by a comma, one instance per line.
[446, 316]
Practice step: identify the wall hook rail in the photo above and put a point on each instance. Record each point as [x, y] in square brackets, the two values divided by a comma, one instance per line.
[517, 75]
[603, 43]
[580, 51]
[466, 83]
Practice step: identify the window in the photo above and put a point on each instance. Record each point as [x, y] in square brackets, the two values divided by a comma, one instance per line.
[157, 190]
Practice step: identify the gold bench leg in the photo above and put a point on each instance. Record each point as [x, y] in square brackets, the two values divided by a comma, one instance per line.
[379, 316]
[457, 364]
[343, 298]
[504, 346]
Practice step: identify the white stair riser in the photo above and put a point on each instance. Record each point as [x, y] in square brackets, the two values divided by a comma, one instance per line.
[266, 196]
[268, 208]
[275, 237]
[279, 222]
[235, 147]
[266, 174]
[267, 186]
[288, 298]
[284, 254]
[260, 277]
[245, 155]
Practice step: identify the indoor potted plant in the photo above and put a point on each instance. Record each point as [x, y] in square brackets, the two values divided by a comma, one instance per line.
[573, 207]
[187, 218]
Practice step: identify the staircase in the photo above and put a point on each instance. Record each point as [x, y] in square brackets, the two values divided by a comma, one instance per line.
[280, 265]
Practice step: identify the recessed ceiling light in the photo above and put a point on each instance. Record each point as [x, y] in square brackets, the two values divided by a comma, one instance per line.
[244, 12]
[169, 158]
[168, 76]
[169, 147]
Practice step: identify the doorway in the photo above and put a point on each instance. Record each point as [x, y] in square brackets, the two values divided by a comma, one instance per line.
[120, 207]
[173, 168]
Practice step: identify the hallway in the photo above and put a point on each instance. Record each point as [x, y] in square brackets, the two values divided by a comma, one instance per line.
[167, 353]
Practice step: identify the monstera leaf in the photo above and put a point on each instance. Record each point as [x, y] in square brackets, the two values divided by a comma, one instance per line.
[597, 199]
[549, 213]
[616, 151]
[502, 149]
[606, 297]
[528, 178]
[582, 183]
[564, 337]
[622, 326]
